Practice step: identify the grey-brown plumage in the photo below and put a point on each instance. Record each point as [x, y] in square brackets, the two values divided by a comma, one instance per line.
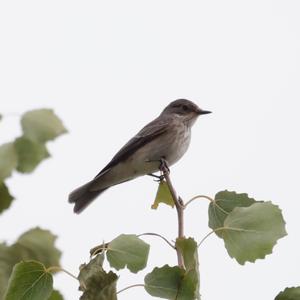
[168, 137]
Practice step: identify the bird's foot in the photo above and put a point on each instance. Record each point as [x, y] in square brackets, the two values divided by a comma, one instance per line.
[159, 178]
[164, 165]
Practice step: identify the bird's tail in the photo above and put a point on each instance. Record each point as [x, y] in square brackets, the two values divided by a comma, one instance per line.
[83, 196]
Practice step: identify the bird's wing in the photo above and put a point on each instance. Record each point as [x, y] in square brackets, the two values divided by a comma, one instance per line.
[146, 135]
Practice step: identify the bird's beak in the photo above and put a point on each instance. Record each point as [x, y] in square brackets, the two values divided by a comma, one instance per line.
[203, 112]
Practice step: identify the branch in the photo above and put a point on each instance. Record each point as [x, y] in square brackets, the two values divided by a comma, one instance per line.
[179, 207]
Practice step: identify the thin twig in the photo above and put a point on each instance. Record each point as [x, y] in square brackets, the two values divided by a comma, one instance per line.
[129, 287]
[162, 237]
[198, 197]
[179, 207]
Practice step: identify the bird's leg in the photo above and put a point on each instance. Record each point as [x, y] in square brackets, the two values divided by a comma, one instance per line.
[164, 165]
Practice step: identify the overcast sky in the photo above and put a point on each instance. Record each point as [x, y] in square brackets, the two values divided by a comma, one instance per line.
[109, 67]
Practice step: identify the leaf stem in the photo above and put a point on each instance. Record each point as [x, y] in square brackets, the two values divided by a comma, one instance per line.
[213, 231]
[179, 208]
[198, 197]
[98, 249]
[59, 269]
[129, 287]
[162, 237]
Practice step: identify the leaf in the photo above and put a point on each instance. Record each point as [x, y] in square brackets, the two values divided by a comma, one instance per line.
[163, 195]
[56, 295]
[8, 160]
[251, 232]
[95, 283]
[42, 125]
[223, 204]
[29, 281]
[164, 282]
[30, 154]
[189, 250]
[5, 197]
[41, 244]
[292, 293]
[128, 249]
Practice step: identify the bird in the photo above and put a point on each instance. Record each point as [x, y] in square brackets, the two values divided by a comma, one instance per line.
[167, 137]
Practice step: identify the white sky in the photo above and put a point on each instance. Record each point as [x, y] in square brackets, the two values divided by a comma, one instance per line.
[107, 68]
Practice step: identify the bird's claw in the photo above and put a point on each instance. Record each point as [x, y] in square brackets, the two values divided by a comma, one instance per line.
[158, 178]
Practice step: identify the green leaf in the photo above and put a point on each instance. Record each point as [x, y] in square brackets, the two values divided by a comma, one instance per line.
[251, 232]
[164, 282]
[163, 195]
[42, 125]
[8, 160]
[41, 245]
[56, 295]
[189, 250]
[95, 283]
[5, 197]
[292, 293]
[29, 281]
[128, 249]
[223, 204]
[30, 154]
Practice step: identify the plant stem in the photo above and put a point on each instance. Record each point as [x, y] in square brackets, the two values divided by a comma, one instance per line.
[179, 207]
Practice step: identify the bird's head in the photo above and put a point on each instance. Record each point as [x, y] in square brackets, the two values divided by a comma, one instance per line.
[185, 109]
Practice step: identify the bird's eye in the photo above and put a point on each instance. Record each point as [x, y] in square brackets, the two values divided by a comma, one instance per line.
[184, 107]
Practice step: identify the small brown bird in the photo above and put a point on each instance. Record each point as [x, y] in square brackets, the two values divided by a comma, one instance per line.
[167, 137]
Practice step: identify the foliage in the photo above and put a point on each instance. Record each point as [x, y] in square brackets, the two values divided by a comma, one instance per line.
[26, 152]
[25, 261]
[36, 244]
[292, 293]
